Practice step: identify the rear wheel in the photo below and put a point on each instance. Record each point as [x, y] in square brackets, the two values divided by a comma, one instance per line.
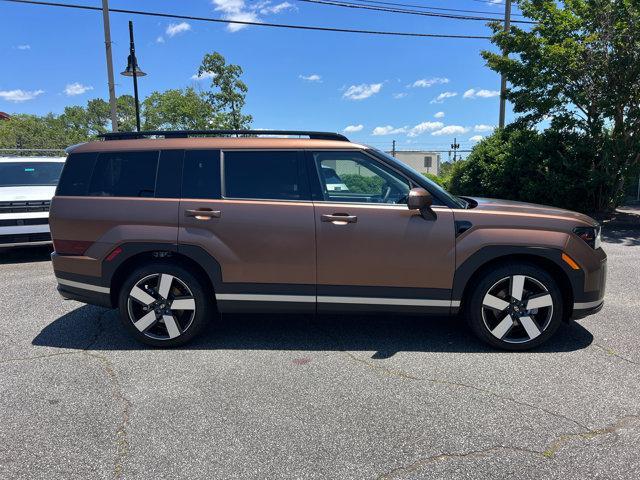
[515, 307]
[163, 305]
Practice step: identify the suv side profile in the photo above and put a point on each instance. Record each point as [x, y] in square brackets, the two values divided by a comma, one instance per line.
[174, 227]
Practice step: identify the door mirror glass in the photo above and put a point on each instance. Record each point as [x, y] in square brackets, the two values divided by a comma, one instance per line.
[420, 199]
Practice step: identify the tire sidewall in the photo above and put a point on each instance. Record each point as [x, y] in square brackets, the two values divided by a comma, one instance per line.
[473, 312]
[194, 284]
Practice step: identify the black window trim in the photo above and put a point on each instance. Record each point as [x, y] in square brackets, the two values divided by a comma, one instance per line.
[410, 181]
[223, 186]
[111, 152]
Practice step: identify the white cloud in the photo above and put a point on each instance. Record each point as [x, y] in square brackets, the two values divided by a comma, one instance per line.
[495, 2]
[76, 88]
[425, 83]
[353, 128]
[160, 39]
[238, 10]
[450, 130]
[444, 95]
[203, 76]
[398, 96]
[362, 91]
[483, 128]
[19, 95]
[24, 47]
[387, 130]
[473, 93]
[439, 115]
[311, 78]
[424, 127]
[476, 138]
[176, 28]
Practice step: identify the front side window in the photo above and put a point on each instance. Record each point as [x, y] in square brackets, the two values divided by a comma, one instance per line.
[271, 175]
[18, 174]
[124, 174]
[355, 177]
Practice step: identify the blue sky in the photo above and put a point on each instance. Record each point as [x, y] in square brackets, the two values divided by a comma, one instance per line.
[385, 88]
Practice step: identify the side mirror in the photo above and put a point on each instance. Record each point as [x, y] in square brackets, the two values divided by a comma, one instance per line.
[420, 199]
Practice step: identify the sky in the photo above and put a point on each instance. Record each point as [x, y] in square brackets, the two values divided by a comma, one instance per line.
[420, 92]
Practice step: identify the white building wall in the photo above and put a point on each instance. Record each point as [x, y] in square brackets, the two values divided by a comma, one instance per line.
[422, 161]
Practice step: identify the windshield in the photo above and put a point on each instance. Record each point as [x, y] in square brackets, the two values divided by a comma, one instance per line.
[19, 174]
[432, 185]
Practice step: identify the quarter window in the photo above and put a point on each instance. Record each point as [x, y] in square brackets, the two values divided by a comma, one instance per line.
[355, 177]
[273, 175]
[124, 174]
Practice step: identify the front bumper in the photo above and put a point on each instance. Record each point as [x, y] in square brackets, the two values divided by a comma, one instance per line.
[26, 229]
[589, 292]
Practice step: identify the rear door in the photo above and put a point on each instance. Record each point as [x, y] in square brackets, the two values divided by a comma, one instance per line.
[373, 252]
[251, 211]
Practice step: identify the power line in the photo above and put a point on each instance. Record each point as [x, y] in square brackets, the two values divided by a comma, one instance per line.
[257, 24]
[345, 4]
[428, 7]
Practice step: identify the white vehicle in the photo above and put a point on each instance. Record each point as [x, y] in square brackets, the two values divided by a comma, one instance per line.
[27, 185]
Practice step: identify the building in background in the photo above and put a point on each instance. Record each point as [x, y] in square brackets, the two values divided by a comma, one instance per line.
[420, 160]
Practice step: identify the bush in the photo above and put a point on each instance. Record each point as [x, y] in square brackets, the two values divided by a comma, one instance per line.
[360, 184]
[550, 168]
[434, 178]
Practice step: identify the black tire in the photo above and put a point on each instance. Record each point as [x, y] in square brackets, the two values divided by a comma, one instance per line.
[184, 286]
[530, 327]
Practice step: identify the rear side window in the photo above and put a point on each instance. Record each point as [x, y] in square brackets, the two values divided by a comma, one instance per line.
[124, 174]
[201, 174]
[76, 174]
[273, 175]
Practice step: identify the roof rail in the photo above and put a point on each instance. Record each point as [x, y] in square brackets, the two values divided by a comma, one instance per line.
[220, 133]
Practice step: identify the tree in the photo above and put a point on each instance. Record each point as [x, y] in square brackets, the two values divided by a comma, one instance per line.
[177, 110]
[579, 68]
[228, 95]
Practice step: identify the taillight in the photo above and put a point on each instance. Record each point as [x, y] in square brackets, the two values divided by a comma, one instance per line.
[71, 247]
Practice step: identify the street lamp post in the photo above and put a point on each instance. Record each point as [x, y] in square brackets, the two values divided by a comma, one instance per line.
[132, 70]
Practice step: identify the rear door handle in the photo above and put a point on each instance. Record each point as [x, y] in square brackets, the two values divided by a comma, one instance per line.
[339, 218]
[203, 214]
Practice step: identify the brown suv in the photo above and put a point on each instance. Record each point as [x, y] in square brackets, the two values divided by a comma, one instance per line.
[171, 227]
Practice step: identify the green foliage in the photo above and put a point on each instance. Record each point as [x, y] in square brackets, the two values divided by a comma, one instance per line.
[579, 68]
[361, 184]
[434, 178]
[177, 109]
[228, 93]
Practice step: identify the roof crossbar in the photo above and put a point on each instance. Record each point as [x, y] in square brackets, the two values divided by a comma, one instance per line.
[220, 133]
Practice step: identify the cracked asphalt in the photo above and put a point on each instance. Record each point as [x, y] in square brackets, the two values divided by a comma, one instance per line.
[309, 398]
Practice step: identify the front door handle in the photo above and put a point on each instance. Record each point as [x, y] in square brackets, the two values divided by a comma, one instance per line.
[339, 218]
[203, 214]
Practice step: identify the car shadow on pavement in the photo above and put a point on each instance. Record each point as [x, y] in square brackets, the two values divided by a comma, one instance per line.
[94, 328]
[25, 255]
[628, 237]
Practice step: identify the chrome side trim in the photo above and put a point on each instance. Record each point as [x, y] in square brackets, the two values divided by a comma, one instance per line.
[386, 301]
[250, 297]
[584, 306]
[83, 286]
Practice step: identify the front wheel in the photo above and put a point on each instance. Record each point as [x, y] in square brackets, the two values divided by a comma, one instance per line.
[515, 307]
[163, 305]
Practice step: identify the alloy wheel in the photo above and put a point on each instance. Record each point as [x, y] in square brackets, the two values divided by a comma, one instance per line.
[517, 309]
[161, 306]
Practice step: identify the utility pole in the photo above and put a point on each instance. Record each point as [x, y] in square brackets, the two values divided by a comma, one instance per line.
[455, 146]
[393, 148]
[107, 47]
[503, 80]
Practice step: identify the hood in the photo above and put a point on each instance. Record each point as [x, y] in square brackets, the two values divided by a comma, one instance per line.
[27, 193]
[530, 208]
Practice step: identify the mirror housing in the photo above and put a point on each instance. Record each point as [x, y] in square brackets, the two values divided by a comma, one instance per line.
[421, 199]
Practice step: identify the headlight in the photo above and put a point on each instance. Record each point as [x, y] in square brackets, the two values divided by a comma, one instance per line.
[591, 235]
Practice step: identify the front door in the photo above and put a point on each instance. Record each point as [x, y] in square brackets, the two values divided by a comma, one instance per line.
[251, 211]
[373, 253]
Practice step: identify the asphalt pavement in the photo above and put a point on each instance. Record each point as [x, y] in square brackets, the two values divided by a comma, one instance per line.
[338, 397]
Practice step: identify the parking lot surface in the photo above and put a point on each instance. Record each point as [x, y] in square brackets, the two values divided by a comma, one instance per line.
[303, 397]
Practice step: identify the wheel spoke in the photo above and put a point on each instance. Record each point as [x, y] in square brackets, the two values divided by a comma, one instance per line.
[147, 321]
[173, 329]
[186, 303]
[503, 327]
[164, 285]
[540, 301]
[141, 296]
[494, 302]
[530, 326]
[517, 286]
